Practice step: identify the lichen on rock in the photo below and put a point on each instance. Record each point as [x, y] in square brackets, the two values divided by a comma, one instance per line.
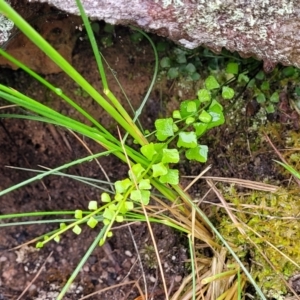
[6, 26]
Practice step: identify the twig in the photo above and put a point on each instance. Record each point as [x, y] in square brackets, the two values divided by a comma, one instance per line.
[108, 288]
[242, 182]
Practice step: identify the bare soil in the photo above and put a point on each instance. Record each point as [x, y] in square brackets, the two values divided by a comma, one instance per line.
[234, 152]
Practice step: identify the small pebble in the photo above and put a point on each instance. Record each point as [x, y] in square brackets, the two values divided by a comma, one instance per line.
[3, 258]
[59, 248]
[86, 268]
[128, 253]
[133, 260]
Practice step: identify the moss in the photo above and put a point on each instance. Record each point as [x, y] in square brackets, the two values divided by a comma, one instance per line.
[271, 219]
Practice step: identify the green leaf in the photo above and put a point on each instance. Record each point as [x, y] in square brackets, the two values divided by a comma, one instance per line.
[145, 197]
[181, 58]
[76, 229]
[176, 115]
[211, 83]
[261, 98]
[107, 41]
[195, 76]
[243, 77]
[113, 206]
[108, 213]
[39, 245]
[148, 151]
[227, 92]
[187, 140]
[62, 225]
[189, 107]
[288, 71]
[159, 169]
[92, 222]
[122, 186]
[205, 117]
[78, 214]
[109, 234]
[215, 106]
[164, 128]
[93, 205]
[232, 68]
[109, 28]
[170, 156]
[106, 222]
[189, 120]
[140, 196]
[265, 86]
[118, 197]
[173, 73]
[260, 75]
[136, 37]
[204, 95]
[175, 127]
[172, 177]
[270, 109]
[190, 68]
[95, 27]
[123, 207]
[216, 111]
[165, 62]
[129, 205]
[200, 128]
[144, 184]
[57, 239]
[136, 171]
[152, 149]
[119, 218]
[105, 197]
[198, 153]
[274, 97]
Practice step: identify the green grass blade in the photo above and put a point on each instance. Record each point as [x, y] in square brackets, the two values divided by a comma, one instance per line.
[81, 263]
[35, 222]
[93, 44]
[36, 214]
[193, 266]
[289, 168]
[56, 91]
[85, 180]
[38, 40]
[106, 89]
[40, 176]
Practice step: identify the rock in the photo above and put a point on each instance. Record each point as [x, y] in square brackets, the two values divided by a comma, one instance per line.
[265, 29]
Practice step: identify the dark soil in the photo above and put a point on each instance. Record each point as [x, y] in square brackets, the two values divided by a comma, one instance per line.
[29, 144]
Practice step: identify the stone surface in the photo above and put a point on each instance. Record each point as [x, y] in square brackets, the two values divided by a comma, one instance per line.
[265, 29]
